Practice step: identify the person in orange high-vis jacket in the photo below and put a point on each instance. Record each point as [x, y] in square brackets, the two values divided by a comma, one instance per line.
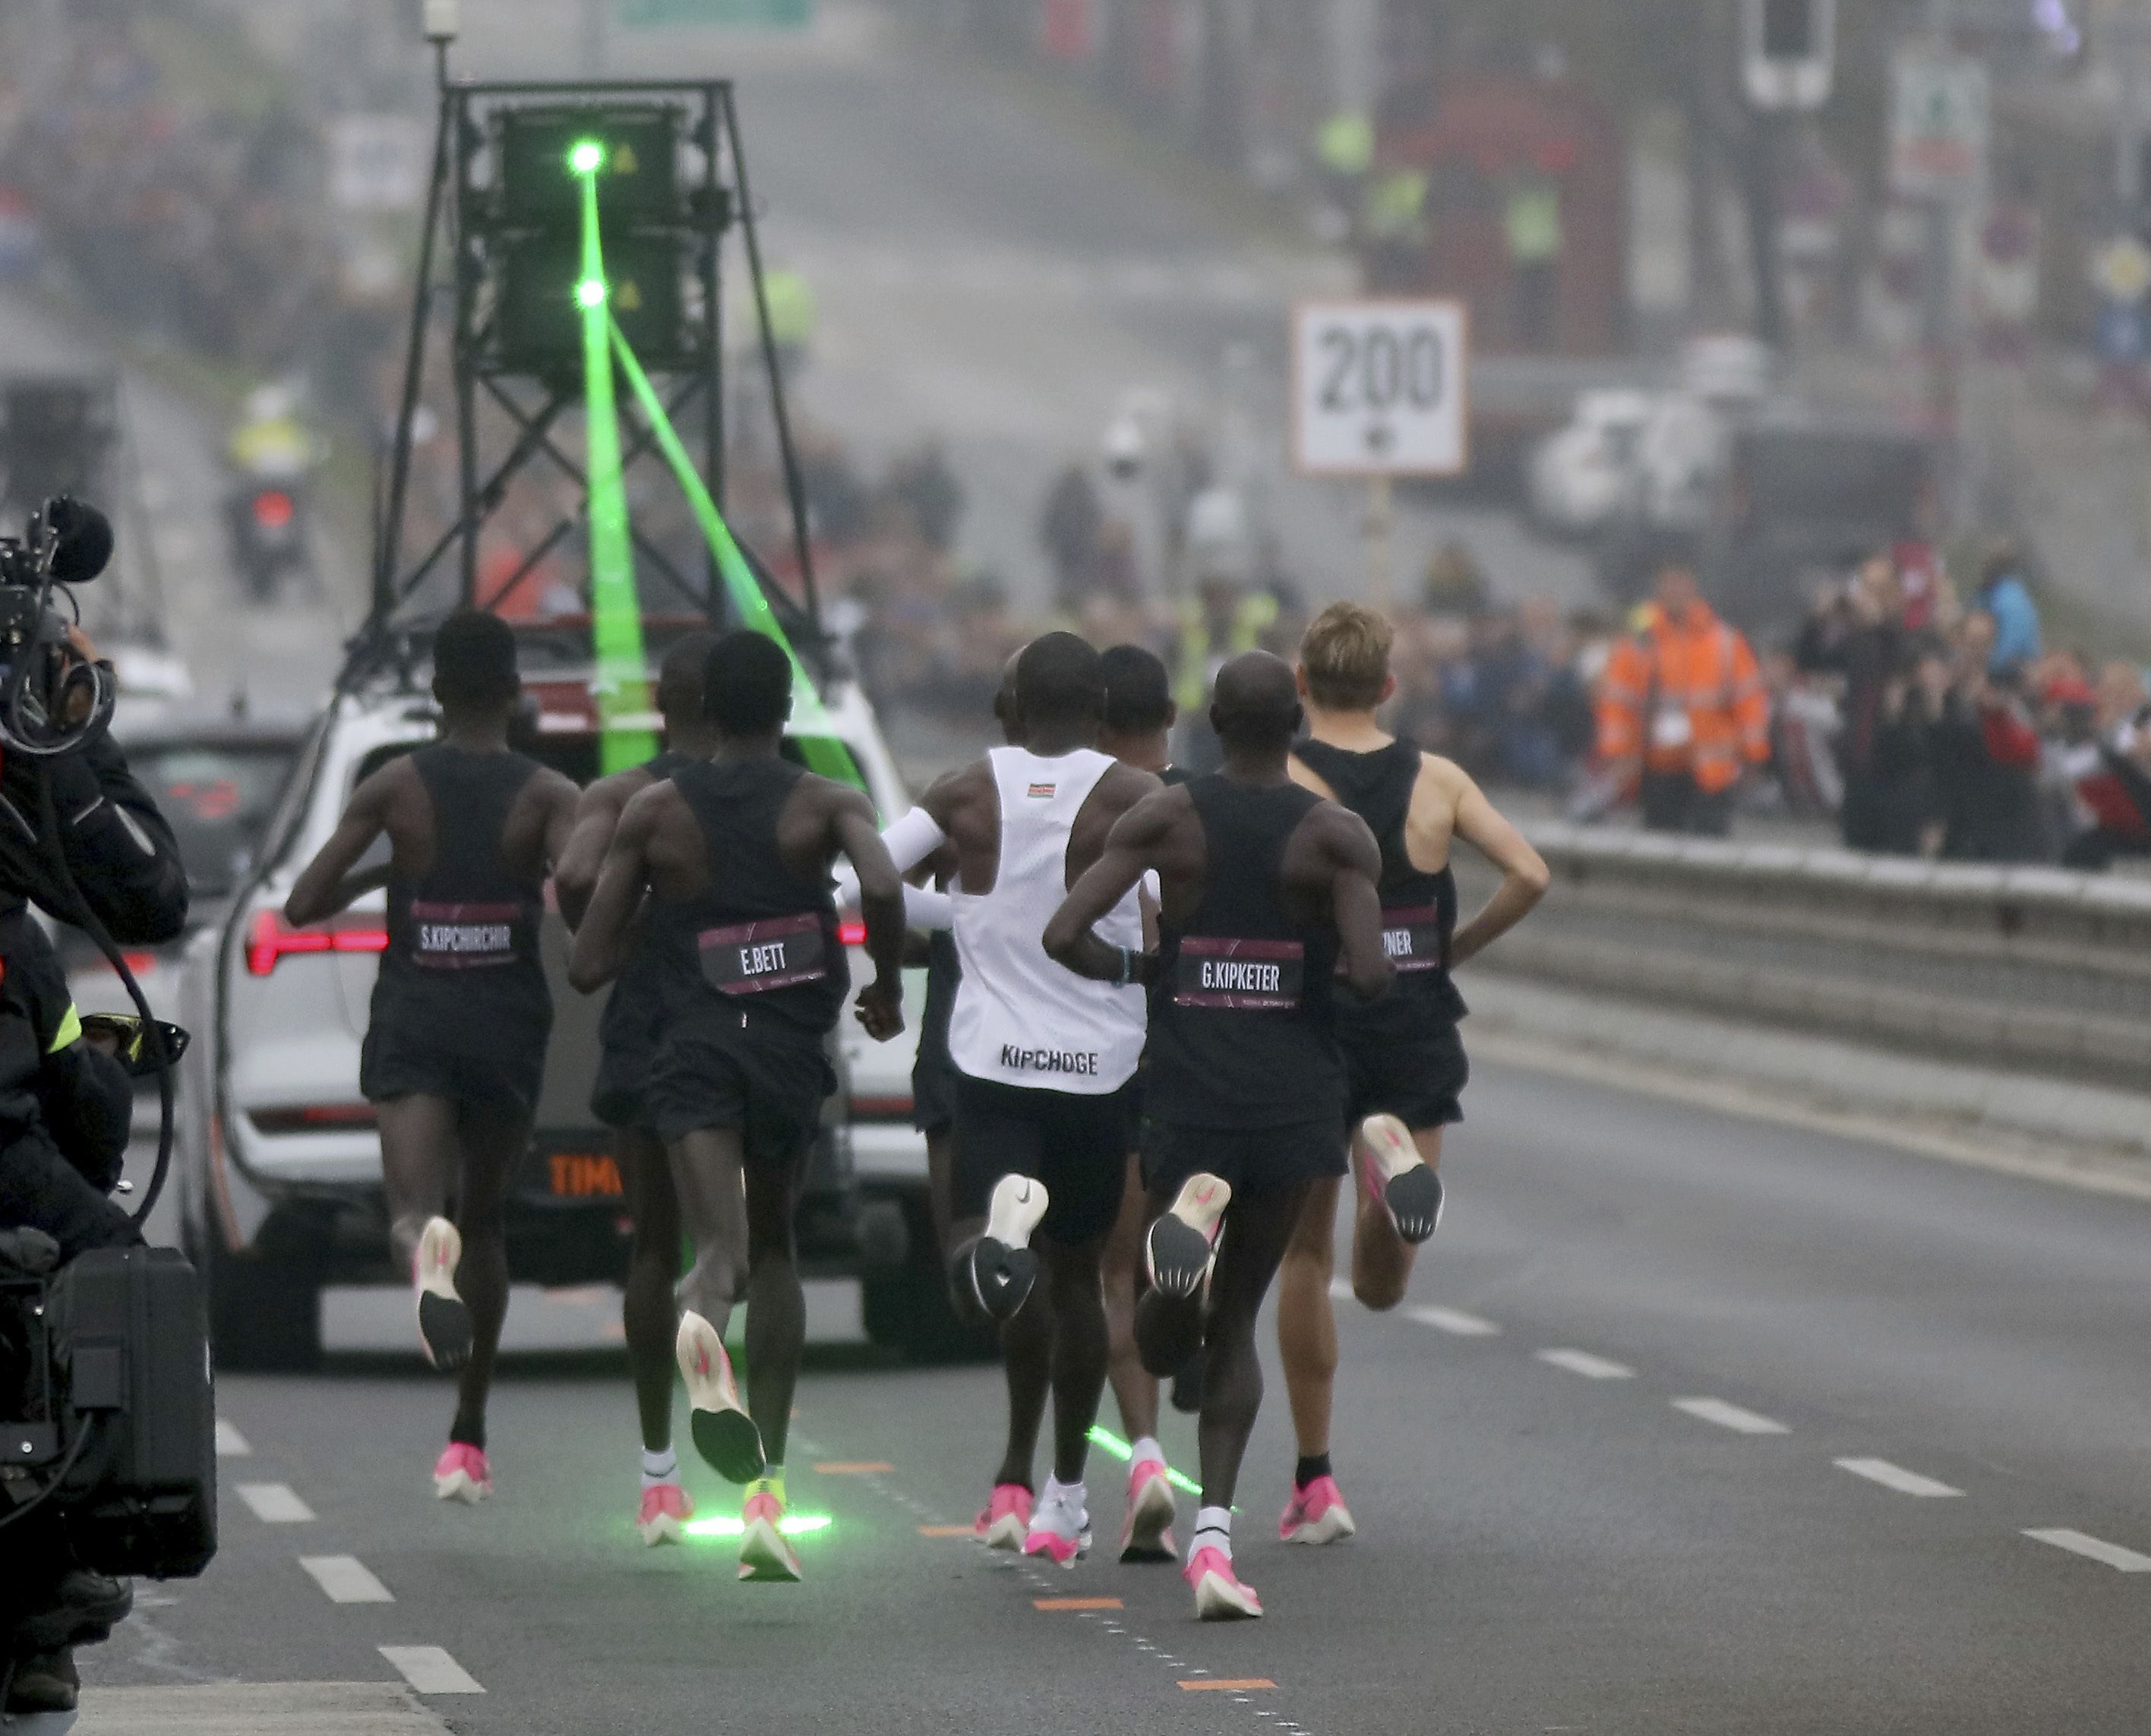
[1682, 711]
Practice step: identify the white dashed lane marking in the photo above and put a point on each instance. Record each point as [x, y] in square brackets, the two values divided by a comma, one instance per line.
[2112, 1554]
[231, 1443]
[1454, 1320]
[1896, 1477]
[1731, 1416]
[274, 1503]
[1583, 1363]
[429, 1669]
[346, 1579]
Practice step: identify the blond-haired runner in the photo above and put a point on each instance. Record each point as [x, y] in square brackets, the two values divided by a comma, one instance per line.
[1404, 1058]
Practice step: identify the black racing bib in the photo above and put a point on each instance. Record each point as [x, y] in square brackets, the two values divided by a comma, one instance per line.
[1413, 939]
[752, 958]
[464, 936]
[1239, 976]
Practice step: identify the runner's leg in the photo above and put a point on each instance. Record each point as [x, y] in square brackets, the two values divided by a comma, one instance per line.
[647, 1310]
[1382, 1259]
[492, 1137]
[940, 1144]
[776, 1305]
[418, 1160]
[1078, 1352]
[1134, 1389]
[707, 1180]
[1306, 1322]
[1257, 1232]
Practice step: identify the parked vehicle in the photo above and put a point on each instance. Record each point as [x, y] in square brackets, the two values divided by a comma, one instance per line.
[278, 1167]
[1585, 474]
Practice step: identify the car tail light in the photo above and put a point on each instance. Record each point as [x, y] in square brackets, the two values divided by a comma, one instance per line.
[274, 938]
[138, 964]
[891, 1108]
[274, 509]
[313, 1118]
[852, 933]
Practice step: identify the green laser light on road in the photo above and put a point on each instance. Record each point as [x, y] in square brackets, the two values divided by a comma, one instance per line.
[794, 1525]
[1101, 1436]
[586, 156]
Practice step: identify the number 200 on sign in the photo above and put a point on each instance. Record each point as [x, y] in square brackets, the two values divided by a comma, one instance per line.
[1378, 388]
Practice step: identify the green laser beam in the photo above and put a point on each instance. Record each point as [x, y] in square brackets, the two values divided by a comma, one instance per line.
[825, 751]
[623, 677]
[1101, 1436]
[793, 1524]
[585, 156]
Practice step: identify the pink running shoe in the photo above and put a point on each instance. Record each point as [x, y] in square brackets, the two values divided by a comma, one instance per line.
[663, 1515]
[1006, 1522]
[461, 1474]
[1146, 1535]
[1060, 1528]
[1316, 1514]
[1219, 1596]
[764, 1552]
[1397, 1178]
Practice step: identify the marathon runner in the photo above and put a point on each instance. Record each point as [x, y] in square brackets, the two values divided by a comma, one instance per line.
[734, 854]
[1042, 1059]
[1262, 883]
[1136, 728]
[455, 1050]
[1404, 1059]
[628, 1035]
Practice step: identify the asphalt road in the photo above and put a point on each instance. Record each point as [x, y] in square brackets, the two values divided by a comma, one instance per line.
[1690, 1423]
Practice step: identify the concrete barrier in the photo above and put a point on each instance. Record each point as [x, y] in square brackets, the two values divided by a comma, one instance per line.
[2038, 969]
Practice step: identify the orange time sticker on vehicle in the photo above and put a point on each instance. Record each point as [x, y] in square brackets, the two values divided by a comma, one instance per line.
[578, 1175]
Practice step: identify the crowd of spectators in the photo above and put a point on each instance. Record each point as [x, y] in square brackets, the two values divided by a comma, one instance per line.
[193, 219]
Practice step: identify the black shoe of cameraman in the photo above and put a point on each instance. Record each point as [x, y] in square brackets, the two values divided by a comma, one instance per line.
[48, 1682]
[81, 1611]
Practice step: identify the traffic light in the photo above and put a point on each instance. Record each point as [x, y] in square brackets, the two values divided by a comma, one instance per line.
[1788, 48]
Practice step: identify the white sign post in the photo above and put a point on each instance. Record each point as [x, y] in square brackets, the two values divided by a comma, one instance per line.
[1939, 110]
[1379, 391]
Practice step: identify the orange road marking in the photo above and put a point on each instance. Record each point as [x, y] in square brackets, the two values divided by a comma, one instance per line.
[854, 1467]
[1208, 1686]
[1077, 1603]
[944, 1530]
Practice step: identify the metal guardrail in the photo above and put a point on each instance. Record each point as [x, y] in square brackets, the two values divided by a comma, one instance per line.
[2039, 969]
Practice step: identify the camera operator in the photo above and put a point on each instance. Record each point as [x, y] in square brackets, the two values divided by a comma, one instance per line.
[65, 1107]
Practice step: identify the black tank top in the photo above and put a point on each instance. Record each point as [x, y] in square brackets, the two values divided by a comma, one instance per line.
[634, 1010]
[466, 931]
[1241, 1013]
[760, 941]
[1418, 910]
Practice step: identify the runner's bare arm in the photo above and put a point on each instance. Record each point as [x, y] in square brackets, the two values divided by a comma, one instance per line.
[1355, 900]
[597, 816]
[562, 796]
[1525, 875]
[328, 884]
[600, 943]
[1132, 847]
[881, 902]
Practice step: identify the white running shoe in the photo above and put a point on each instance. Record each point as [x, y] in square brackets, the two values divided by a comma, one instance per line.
[444, 1323]
[1397, 1179]
[1183, 1242]
[1061, 1528]
[724, 1434]
[1003, 1268]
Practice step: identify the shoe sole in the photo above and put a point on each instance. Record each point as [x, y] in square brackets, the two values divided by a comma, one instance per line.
[729, 1443]
[667, 1528]
[444, 1325]
[1044, 1551]
[1188, 1387]
[1410, 1192]
[1218, 1599]
[461, 1486]
[1002, 1277]
[766, 1556]
[1334, 1526]
[1179, 1256]
[1147, 1536]
[1007, 1533]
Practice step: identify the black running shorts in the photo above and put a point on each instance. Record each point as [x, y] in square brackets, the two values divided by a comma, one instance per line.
[1258, 1162]
[1418, 1079]
[767, 1082]
[1077, 1146]
[503, 1073]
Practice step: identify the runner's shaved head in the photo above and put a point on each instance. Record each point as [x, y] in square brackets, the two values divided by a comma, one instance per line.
[1255, 706]
[1058, 680]
[679, 680]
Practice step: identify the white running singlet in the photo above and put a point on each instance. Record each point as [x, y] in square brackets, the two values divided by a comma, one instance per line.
[1020, 1019]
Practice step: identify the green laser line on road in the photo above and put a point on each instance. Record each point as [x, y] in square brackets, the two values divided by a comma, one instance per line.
[1101, 1436]
[623, 682]
[793, 1524]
